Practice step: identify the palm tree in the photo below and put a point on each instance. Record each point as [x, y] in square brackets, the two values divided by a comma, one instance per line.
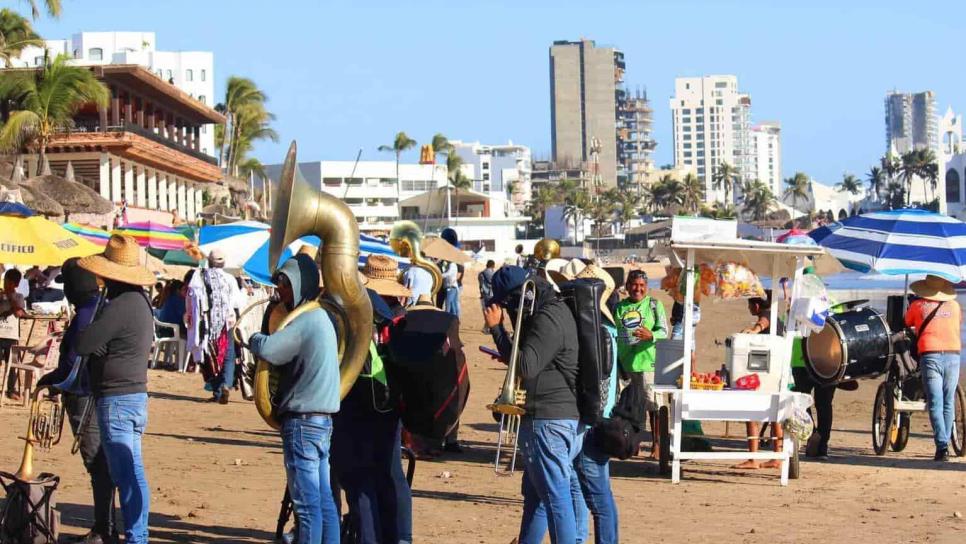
[16, 33]
[798, 188]
[576, 204]
[51, 6]
[909, 169]
[692, 189]
[460, 183]
[601, 211]
[250, 125]
[544, 199]
[244, 104]
[725, 176]
[440, 144]
[876, 179]
[46, 101]
[849, 184]
[625, 203]
[399, 145]
[758, 200]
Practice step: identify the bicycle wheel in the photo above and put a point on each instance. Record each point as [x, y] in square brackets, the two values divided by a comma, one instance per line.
[959, 423]
[902, 434]
[883, 417]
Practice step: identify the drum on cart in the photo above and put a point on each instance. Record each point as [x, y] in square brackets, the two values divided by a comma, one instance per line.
[853, 345]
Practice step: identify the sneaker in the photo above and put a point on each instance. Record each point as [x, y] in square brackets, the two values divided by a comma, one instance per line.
[813, 444]
[453, 447]
[223, 399]
[942, 454]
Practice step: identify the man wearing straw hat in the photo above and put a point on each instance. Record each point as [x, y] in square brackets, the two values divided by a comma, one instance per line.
[119, 344]
[936, 318]
[366, 431]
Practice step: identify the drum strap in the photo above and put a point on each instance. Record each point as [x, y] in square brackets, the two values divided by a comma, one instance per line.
[929, 317]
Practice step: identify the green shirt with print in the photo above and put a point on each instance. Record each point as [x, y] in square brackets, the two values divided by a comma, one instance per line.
[637, 355]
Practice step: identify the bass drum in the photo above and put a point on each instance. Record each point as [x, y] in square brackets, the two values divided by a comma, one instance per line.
[853, 345]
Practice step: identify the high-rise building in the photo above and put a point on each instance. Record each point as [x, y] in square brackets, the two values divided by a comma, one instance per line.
[911, 122]
[501, 171]
[711, 125]
[593, 120]
[189, 71]
[766, 146]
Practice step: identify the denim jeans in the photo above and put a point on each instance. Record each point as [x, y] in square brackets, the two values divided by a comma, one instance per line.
[453, 301]
[122, 419]
[227, 377]
[940, 375]
[305, 445]
[548, 447]
[592, 468]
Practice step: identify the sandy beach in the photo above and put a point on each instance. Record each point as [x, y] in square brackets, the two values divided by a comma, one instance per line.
[216, 472]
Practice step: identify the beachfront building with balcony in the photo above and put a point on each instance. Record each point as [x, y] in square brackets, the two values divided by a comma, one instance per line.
[501, 171]
[143, 149]
[189, 71]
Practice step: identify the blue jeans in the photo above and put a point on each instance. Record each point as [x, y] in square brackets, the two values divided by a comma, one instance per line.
[592, 468]
[452, 304]
[227, 377]
[122, 419]
[548, 447]
[940, 375]
[305, 445]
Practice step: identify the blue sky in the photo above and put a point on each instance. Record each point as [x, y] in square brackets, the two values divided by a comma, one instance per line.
[342, 76]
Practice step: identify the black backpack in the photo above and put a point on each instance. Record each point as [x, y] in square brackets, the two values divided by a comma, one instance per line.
[427, 369]
[620, 434]
[595, 353]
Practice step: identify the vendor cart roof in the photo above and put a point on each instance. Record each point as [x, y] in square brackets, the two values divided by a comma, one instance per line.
[759, 256]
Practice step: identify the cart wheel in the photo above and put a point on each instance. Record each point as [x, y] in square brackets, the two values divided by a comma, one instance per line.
[883, 417]
[664, 453]
[902, 434]
[794, 468]
[959, 424]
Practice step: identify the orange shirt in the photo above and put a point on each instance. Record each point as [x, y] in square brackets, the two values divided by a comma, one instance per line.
[943, 332]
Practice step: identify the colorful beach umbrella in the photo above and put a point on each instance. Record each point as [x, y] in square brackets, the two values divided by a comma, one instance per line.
[89, 233]
[898, 242]
[27, 239]
[245, 246]
[154, 235]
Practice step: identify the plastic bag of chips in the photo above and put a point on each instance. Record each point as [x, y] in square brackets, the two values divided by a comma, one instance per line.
[736, 280]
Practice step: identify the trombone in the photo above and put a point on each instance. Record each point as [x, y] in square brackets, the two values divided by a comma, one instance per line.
[509, 404]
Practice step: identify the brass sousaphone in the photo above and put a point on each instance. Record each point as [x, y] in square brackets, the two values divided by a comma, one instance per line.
[300, 211]
[406, 240]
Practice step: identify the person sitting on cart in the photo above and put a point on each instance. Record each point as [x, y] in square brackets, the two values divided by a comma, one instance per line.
[936, 318]
[641, 321]
[761, 309]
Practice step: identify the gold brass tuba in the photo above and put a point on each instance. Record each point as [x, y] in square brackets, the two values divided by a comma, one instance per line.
[405, 239]
[44, 429]
[546, 249]
[300, 211]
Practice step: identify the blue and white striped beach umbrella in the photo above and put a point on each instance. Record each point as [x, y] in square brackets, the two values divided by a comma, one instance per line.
[245, 245]
[898, 242]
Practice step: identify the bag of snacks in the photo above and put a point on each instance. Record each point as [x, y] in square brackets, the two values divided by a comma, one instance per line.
[735, 280]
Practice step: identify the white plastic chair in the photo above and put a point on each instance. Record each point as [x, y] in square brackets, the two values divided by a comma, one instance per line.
[171, 350]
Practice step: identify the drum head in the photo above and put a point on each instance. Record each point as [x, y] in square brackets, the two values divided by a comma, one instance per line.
[824, 350]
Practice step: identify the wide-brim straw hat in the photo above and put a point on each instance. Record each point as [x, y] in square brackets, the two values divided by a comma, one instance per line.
[382, 275]
[934, 288]
[121, 261]
[594, 271]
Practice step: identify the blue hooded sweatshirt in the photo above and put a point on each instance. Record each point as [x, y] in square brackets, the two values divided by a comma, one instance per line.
[306, 350]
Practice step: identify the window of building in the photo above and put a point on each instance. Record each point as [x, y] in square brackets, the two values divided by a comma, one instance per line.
[204, 129]
[687, 153]
[332, 182]
[353, 201]
[95, 53]
[952, 185]
[686, 128]
[687, 85]
[485, 165]
[353, 181]
[719, 101]
[201, 98]
[687, 145]
[685, 119]
[486, 176]
[686, 111]
[38, 61]
[204, 74]
[687, 137]
[169, 74]
[189, 75]
[720, 84]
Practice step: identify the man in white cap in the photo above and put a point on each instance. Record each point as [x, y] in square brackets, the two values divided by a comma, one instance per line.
[936, 318]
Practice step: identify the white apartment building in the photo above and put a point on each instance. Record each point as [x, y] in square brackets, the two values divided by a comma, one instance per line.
[911, 122]
[711, 125]
[369, 187]
[766, 149]
[190, 71]
[496, 170]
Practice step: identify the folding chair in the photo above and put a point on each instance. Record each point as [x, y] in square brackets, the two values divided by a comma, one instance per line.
[29, 513]
[33, 361]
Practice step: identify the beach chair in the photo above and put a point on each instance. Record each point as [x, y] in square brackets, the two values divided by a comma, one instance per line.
[170, 350]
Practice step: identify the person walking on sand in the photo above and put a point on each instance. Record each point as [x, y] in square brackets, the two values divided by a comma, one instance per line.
[118, 343]
[936, 318]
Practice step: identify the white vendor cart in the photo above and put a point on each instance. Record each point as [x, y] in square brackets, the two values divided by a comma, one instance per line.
[684, 403]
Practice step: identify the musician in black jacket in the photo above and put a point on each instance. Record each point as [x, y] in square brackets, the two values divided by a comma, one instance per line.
[547, 365]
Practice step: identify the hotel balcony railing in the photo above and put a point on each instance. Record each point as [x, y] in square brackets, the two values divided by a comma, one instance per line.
[143, 132]
[469, 215]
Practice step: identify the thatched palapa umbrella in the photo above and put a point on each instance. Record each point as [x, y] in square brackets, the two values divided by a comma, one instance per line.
[34, 199]
[73, 196]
